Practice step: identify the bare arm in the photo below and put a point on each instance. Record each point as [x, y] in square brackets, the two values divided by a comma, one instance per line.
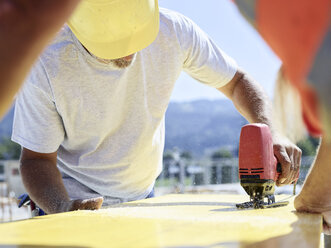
[43, 181]
[26, 27]
[253, 103]
[315, 194]
[249, 99]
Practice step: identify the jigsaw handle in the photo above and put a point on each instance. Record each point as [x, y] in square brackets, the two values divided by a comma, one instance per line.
[278, 168]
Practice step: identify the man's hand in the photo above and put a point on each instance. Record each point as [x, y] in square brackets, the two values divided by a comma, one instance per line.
[87, 204]
[302, 206]
[289, 156]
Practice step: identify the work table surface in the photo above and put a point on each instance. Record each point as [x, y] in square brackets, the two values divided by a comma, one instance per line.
[170, 221]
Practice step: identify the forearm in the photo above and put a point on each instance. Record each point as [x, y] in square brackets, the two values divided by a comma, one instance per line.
[44, 185]
[250, 100]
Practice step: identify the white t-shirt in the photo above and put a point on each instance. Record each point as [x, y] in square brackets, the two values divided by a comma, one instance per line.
[107, 124]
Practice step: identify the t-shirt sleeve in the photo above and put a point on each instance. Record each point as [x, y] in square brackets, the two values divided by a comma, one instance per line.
[203, 59]
[37, 125]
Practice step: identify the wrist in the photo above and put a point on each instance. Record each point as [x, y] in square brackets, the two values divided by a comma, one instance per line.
[304, 204]
[63, 206]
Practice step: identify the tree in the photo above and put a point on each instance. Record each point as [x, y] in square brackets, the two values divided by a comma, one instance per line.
[186, 155]
[223, 174]
[9, 149]
[168, 156]
[221, 153]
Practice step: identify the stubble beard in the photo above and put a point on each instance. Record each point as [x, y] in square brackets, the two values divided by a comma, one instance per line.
[122, 63]
[118, 63]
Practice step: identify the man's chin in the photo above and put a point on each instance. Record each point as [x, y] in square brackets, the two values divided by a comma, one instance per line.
[122, 62]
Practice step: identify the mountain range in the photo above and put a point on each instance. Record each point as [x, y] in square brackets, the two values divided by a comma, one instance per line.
[203, 126]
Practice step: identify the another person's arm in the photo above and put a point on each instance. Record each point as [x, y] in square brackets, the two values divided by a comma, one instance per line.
[25, 29]
[252, 102]
[43, 181]
[315, 194]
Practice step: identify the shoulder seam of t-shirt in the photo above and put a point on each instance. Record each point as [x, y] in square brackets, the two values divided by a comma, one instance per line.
[41, 90]
[48, 80]
[172, 15]
[190, 24]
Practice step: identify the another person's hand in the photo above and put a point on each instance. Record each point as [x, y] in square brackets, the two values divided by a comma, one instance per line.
[314, 196]
[289, 156]
[303, 205]
[81, 204]
[26, 27]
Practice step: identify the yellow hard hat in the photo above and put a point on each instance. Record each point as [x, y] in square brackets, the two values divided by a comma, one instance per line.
[112, 29]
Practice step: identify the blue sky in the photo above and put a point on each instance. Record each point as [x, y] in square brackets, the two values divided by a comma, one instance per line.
[221, 20]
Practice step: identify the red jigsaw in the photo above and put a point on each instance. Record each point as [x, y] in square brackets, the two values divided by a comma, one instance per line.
[258, 167]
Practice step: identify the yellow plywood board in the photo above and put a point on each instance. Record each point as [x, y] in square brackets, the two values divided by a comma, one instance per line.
[170, 221]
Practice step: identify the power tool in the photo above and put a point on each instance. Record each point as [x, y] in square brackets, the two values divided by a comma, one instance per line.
[258, 167]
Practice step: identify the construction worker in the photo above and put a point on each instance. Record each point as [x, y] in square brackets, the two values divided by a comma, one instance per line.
[299, 32]
[25, 29]
[90, 117]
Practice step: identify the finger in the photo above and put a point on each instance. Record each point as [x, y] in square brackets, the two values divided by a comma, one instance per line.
[297, 163]
[87, 204]
[295, 179]
[294, 153]
[293, 167]
[298, 157]
[285, 162]
[92, 204]
[290, 175]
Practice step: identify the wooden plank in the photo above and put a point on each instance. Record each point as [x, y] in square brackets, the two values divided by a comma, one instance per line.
[170, 221]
